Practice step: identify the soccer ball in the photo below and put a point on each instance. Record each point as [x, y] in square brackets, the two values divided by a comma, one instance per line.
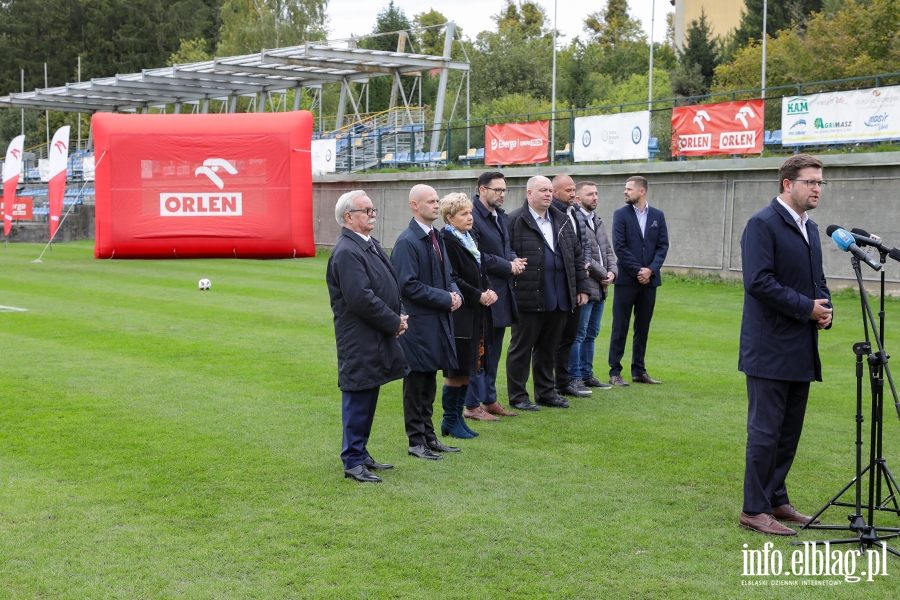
[205, 284]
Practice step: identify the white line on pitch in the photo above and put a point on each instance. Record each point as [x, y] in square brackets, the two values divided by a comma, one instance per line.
[12, 309]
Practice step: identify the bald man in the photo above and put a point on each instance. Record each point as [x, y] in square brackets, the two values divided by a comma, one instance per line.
[429, 296]
[552, 285]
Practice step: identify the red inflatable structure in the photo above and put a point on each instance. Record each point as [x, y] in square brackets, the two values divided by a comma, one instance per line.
[203, 186]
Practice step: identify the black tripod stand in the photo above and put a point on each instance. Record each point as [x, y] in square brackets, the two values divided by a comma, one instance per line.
[883, 486]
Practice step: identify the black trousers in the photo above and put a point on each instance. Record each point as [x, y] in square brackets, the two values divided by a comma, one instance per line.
[564, 350]
[627, 298]
[357, 413]
[533, 344]
[775, 414]
[419, 388]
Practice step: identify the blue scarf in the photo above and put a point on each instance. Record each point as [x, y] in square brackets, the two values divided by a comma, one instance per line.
[467, 241]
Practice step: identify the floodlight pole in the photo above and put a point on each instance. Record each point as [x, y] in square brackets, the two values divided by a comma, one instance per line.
[78, 147]
[765, 13]
[23, 110]
[46, 85]
[652, 20]
[553, 94]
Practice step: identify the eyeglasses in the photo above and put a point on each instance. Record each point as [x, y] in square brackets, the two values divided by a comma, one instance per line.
[812, 183]
[498, 190]
[369, 211]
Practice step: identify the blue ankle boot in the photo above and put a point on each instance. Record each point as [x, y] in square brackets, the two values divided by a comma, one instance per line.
[453, 420]
[462, 404]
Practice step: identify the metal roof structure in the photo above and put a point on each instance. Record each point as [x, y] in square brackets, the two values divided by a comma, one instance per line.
[309, 65]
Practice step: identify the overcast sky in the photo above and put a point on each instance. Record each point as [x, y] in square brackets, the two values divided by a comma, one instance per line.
[357, 17]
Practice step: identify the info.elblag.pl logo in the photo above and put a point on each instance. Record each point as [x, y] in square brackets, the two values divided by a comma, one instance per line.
[813, 564]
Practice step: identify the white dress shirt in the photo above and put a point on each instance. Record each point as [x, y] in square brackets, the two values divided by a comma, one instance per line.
[800, 221]
[546, 225]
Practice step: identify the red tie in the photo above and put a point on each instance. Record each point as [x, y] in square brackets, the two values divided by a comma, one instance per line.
[437, 250]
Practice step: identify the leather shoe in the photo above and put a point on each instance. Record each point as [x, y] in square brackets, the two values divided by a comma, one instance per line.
[786, 512]
[525, 405]
[574, 390]
[495, 408]
[596, 383]
[765, 523]
[644, 378]
[438, 446]
[374, 465]
[617, 380]
[361, 474]
[423, 451]
[554, 402]
[479, 414]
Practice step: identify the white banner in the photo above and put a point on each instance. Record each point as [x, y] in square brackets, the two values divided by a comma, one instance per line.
[324, 155]
[88, 167]
[622, 136]
[44, 169]
[841, 117]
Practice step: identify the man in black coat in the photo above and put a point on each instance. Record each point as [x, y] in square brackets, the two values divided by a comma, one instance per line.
[429, 296]
[786, 303]
[365, 299]
[641, 242]
[501, 265]
[553, 283]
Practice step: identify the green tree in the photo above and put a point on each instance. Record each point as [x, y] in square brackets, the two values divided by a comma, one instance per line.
[697, 60]
[527, 20]
[780, 14]
[190, 51]
[635, 88]
[251, 25]
[390, 19]
[614, 26]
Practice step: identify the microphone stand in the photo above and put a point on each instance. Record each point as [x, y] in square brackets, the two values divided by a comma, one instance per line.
[866, 534]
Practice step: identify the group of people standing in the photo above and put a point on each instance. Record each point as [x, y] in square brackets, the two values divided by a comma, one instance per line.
[444, 300]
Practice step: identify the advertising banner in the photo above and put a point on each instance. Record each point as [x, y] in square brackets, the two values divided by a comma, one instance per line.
[517, 143]
[22, 208]
[724, 128]
[841, 117]
[190, 186]
[621, 136]
[59, 159]
[12, 166]
[324, 156]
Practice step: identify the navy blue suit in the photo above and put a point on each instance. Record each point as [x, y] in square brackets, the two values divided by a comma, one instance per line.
[496, 256]
[635, 251]
[425, 286]
[779, 353]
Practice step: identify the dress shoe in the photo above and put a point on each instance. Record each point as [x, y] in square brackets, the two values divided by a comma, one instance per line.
[765, 523]
[617, 380]
[361, 474]
[479, 414]
[786, 512]
[374, 465]
[574, 390]
[554, 402]
[495, 408]
[423, 451]
[593, 382]
[438, 446]
[644, 378]
[525, 405]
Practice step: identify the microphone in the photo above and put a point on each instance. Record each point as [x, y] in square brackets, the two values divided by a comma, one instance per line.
[864, 238]
[846, 242]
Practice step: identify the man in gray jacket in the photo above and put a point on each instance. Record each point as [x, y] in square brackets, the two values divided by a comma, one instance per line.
[601, 272]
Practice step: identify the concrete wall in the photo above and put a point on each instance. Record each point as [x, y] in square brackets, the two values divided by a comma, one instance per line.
[707, 203]
[79, 225]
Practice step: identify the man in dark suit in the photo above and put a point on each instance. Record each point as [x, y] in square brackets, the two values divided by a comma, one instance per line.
[365, 299]
[429, 296]
[641, 242]
[553, 284]
[502, 265]
[786, 303]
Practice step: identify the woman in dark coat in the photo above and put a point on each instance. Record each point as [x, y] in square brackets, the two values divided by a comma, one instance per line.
[469, 320]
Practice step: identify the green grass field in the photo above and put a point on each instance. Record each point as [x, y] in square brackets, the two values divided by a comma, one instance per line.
[161, 442]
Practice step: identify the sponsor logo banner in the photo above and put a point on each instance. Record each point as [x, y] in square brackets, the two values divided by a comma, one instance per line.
[841, 117]
[517, 143]
[22, 208]
[324, 156]
[724, 128]
[621, 136]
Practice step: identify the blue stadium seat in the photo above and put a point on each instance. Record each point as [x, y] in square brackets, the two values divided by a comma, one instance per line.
[776, 137]
[479, 154]
[653, 147]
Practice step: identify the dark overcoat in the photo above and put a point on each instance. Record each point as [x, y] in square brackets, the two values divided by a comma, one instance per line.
[365, 299]
[471, 279]
[635, 251]
[783, 275]
[496, 256]
[425, 286]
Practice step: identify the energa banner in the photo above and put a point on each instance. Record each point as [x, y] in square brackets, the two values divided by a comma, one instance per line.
[724, 128]
[517, 143]
[621, 136]
[841, 117]
[184, 186]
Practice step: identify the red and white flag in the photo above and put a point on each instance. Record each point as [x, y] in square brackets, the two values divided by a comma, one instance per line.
[11, 169]
[59, 159]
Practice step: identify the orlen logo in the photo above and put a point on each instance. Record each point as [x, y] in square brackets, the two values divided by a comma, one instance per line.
[200, 204]
[60, 145]
[15, 153]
